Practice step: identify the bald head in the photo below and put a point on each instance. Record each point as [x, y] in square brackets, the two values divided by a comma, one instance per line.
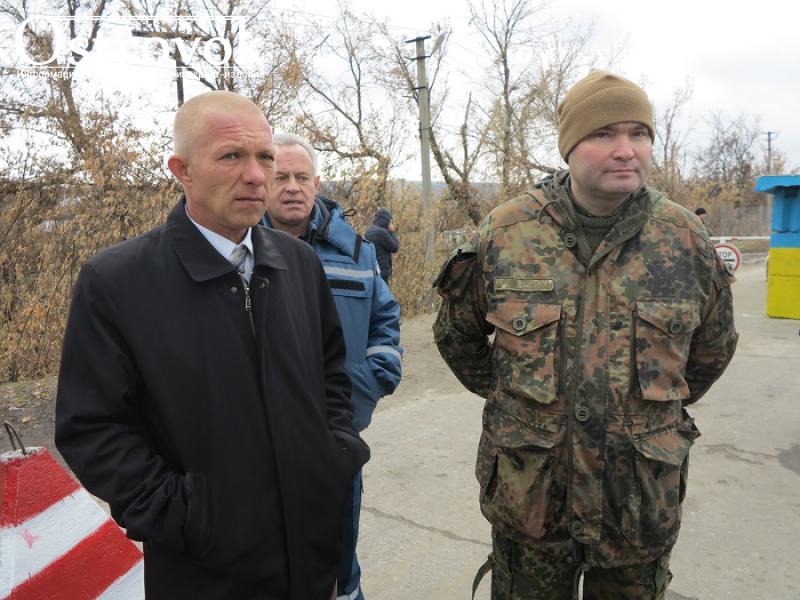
[190, 118]
[225, 161]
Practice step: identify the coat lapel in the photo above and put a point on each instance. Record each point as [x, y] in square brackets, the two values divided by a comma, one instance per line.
[199, 258]
[266, 254]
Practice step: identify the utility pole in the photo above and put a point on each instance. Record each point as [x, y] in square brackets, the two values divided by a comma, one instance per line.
[423, 101]
[770, 135]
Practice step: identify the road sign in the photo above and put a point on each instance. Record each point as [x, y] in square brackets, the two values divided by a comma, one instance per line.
[730, 255]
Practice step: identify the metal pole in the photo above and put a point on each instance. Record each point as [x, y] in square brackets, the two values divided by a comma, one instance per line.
[425, 147]
[769, 152]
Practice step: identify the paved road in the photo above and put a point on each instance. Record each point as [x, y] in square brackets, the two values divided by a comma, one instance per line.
[423, 535]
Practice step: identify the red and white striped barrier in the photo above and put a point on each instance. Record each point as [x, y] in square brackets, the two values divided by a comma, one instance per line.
[56, 543]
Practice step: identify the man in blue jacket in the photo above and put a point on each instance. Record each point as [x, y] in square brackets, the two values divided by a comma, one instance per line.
[369, 313]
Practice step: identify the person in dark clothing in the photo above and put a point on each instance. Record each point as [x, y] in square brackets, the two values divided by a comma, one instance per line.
[203, 391]
[383, 235]
[703, 214]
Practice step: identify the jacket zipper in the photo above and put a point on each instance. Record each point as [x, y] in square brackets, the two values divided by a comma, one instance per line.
[248, 304]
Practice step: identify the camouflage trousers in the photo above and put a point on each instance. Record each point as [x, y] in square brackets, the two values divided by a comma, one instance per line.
[523, 573]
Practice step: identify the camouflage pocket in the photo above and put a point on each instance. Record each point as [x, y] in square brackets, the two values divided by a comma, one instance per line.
[486, 466]
[519, 479]
[651, 513]
[526, 347]
[663, 336]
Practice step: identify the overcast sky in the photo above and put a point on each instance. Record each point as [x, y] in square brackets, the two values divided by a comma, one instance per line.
[738, 57]
[737, 60]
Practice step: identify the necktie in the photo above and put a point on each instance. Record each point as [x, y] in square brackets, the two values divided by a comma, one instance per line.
[238, 258]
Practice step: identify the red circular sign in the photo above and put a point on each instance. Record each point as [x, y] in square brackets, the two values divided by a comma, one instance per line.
[730, 255]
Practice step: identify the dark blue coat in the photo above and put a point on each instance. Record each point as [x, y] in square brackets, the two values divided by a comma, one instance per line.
[369, 313]
[385, 241]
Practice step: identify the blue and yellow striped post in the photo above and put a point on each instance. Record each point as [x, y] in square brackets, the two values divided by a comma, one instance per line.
[783, 281]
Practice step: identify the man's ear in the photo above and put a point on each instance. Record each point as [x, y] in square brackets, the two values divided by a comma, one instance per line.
[179, 169]
[316, 183]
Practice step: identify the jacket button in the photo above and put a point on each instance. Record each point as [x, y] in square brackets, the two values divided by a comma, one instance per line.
[234, 289]
[675, 326]
[570, 240]
[262, 285]
[519, 324]
[582, 413]
[576, 527]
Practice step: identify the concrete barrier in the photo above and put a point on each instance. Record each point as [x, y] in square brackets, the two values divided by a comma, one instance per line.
[55, 540]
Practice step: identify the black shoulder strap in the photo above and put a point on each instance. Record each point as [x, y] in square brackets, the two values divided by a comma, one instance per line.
[357, 249]
[482, 571]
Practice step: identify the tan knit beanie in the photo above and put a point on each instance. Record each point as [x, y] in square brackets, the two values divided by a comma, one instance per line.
[599, 99]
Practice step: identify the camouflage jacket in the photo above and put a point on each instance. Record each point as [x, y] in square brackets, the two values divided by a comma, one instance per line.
[585, 436]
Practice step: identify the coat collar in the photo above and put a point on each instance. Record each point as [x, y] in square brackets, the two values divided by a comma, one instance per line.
[557, 199]
[327, 223]
[266, 251]
[334, 228]
[201, 260]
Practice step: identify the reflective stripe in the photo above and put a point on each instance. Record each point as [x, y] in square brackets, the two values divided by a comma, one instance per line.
[351, 596]
[358, 273]
[384, 349]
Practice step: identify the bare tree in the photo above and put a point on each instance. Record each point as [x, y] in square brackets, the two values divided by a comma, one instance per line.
[270, 75]
[506, 27]
[345, 111]
[78, 176]
[48, 103]
[563, 58]
[457, 174]
[514, 125]
[669, 155]
[729, 156]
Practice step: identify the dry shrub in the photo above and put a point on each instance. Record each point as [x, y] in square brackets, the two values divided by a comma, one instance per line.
[733, 210]
[411, 277]
[50, 226]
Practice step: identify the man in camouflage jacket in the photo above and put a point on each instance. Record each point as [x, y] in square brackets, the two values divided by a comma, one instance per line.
[611, 313]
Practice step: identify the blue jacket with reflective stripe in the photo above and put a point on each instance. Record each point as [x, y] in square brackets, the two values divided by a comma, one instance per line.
[369, 313]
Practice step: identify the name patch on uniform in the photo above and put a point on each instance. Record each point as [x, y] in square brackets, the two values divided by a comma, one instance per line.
[524, 285]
